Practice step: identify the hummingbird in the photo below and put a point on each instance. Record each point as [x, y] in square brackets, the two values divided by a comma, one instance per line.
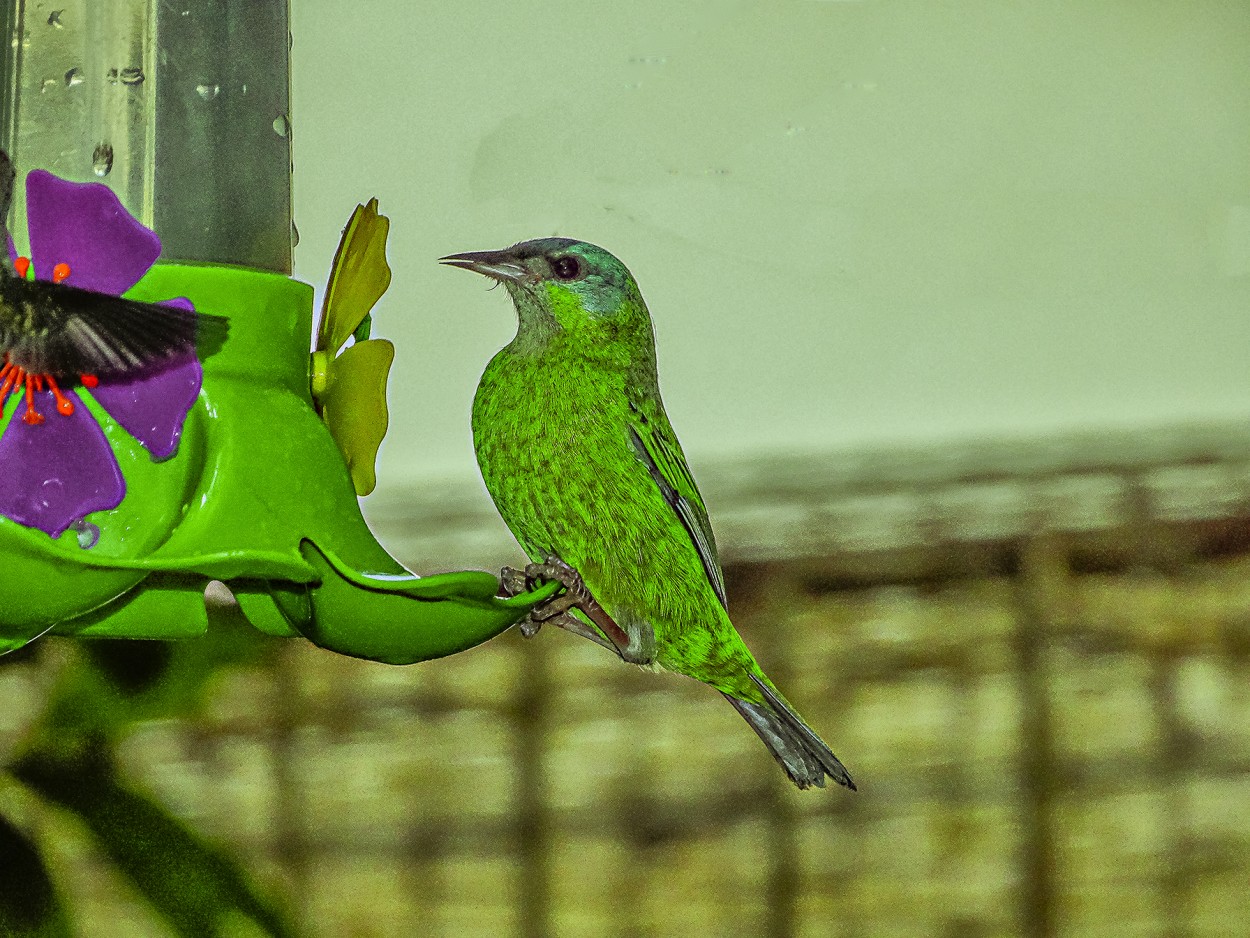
[55, 334]
[583, 465]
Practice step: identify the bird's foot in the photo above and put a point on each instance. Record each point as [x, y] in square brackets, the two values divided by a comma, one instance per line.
[558, 610]
[553, 568]
[513, 582]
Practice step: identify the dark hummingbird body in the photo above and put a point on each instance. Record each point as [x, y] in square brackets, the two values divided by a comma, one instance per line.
[50, 329]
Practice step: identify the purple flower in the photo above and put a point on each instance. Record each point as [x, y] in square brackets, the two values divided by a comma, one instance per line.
[56, 465]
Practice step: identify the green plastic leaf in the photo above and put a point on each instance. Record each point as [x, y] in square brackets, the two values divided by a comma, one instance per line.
[353, 406]
[199, 889]
[353, 399]
[29, 905]
[358, 278]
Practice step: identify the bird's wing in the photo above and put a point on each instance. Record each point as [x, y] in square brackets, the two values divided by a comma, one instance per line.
[78, 331]
[657, 448]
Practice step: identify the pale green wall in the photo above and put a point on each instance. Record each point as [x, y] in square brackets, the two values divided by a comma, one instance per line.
[854, 222]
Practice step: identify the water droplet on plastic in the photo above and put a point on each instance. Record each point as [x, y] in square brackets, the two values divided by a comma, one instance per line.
[132, 76]
[47, 85]
[73, 77]
[281, 126]
[111, 76]
[102, 159]
[294, 236]
[208, 92]
[54, 19]
[88, 533]
[51, 490]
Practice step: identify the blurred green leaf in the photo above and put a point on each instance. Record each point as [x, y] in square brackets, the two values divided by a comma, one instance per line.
[197, 887]
[67, 759]
[115, 682]
[29, 907]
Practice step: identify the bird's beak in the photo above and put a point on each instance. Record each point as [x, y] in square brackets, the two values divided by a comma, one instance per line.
[498, 265]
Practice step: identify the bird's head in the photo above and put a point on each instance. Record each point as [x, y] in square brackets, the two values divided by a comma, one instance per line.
[562, 285]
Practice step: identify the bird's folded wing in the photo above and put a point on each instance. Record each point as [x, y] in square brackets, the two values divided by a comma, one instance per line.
[657, 448]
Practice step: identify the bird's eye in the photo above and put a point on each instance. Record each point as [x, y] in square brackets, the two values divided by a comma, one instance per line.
[566, 268]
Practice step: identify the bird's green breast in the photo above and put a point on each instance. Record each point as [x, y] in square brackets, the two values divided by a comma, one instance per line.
[552, 445]
[552, 439]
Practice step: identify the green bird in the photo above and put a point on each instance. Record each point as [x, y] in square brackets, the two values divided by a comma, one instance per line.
[583, 465]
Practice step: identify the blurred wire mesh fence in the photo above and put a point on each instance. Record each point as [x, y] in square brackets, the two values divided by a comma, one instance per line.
[1033, 656]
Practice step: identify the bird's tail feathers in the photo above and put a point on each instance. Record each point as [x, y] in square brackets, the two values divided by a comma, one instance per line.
[796, 747]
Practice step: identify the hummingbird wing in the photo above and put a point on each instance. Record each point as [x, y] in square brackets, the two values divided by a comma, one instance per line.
[7, 176]
[657, 448]
[65, 331]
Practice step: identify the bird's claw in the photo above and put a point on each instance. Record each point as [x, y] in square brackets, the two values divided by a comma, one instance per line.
[529, 626]
[556, 606]
[512, 582]
[553, 568]
[557, 610]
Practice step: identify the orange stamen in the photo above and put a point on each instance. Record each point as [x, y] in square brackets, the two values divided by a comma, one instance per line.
[60, 272]
[64, 405]
[89, 381]
[31, 416]
[22, 265]
[10, 373]
[14, 378]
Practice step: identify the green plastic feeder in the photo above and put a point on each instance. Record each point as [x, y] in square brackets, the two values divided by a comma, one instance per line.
[257, 494]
